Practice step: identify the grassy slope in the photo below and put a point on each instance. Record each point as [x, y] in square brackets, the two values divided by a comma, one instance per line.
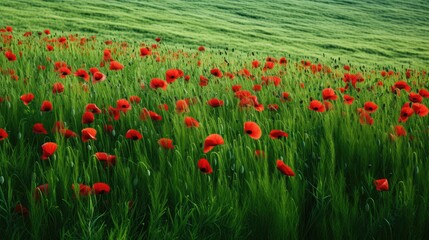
[387, 33]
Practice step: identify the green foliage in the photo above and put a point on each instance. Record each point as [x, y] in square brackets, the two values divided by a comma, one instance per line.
[161, 194]
[377, 32]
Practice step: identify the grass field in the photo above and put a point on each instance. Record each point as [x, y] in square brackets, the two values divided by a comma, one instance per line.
[354, 122]
[365, 32]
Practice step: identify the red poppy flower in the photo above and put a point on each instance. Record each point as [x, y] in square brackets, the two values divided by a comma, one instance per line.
[400, 131]
[201, 48]
[114, 112]
[38, 128]
[49, 47]
[181, 106]
[401, 85]
[21, 209]
[27, 98]
[317, 106]
[47, 31]
[98, 77]
[211, 141]
[348, 99]
[285, 97]
[245, 72]
[255, 63]
[46, 106]
[91, 107]
[67, 133]
[346, 67]
[216, 72]
[257, 87]
[3, 134]
[57, 88]
[204, 166]
[82, 73]
[246, 102]
[283, 61]
[166, 143]
[415, 98]
[171, 75]
[154, 116]
[254, 100]
[93, 70]
[266, 80]
[58, 65]
[187, 78]
[242, 94]
[100, 188]
[424, 93]
[381, 184]
[28, 34]
[116, 66]
[156, 83]
[123, 105]
[214, 102]
[285, 169]
[87, 118]
[62, 40]
[10, 56]
[406, 112]
[9, 29]
[203, 81]
[41, 190]
[88, 134]
[64, 72]
[253, 130]
[277, 134]
[191, 122]
[329, 94]
[145, 114]
[84, 190]
[370, 107]
[109, 160]
[145, 51]
[236, 88]
[408, 73]
[259, 107]
[273, 107]
[364, 117]
[135, 99]
[48, 149]
[268, 65]
[107, 57]
[420, 109]
[133, 134]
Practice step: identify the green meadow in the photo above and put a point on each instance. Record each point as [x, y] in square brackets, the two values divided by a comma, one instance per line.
[356, 158]
[363, 32]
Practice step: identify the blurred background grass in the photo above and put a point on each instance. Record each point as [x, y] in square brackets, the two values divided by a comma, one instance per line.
[376, 32]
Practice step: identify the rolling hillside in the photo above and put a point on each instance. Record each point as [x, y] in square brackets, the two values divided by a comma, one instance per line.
[376, 32]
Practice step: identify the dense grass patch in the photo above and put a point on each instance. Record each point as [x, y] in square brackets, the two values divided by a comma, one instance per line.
[312, 120]
[363, 32]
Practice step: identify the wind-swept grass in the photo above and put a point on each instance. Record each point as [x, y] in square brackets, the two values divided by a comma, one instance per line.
[157, 193]
[375, 32]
